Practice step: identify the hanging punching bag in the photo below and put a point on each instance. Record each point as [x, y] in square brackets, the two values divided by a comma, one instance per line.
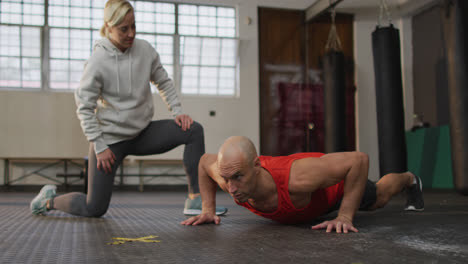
[389, 100]
[455, 28]
[335, 101]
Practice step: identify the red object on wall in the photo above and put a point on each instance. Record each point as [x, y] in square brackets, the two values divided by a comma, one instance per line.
[301, 105]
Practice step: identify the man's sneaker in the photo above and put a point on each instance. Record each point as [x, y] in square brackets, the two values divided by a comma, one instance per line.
[39, 203]
[414, 199]
[194, 207]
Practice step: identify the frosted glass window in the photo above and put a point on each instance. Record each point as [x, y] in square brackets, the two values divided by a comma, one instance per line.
[23, 12]
[20, 57]
[209, 66]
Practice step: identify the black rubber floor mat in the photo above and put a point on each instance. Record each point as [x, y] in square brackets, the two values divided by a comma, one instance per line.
[390, 235]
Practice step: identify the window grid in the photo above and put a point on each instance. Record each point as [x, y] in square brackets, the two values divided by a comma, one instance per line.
[74, 26]
[201, 59]
[210, 21]
[26, 12]
[20, 61]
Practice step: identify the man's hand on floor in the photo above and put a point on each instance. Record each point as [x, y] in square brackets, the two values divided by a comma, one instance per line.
[202, 219]
[340, 224]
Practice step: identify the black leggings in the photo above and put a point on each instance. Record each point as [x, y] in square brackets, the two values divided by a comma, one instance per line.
[158, 137]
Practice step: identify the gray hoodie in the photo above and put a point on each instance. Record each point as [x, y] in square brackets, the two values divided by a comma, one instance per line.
[114, 98]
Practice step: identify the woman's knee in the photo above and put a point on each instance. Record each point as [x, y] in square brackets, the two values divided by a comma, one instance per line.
[196, 129]
[97, 211]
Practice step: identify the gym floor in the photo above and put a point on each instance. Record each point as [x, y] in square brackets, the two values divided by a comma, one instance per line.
[390, 235]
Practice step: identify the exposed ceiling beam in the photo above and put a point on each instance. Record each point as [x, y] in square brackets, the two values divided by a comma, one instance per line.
[416, 6]
[319, 7]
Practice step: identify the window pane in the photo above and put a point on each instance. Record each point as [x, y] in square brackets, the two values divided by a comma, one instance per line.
[153, 17]
[31, 73]
[190, 51]
[80, 44]
[22, 12]
[59, 16]
[208, 80]
[9, 41]
[188, 10]
[211, 52]
[59, 74]
[229, 52]
[59, 43]
[209, 65]
[68, 51]
[190, 80]
[165, 48]
[20, 57]
[76, 14]
[97, 13]
[10, 72]
[80, 17]
[227, 81]
[207, 21]
[76, 70]
[30, 43]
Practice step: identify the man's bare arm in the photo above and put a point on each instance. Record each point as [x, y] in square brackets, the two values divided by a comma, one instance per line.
[208, 185]
[330, 169]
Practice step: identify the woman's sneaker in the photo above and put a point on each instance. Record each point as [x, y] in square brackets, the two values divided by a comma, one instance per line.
[194, 207]
[39, 203]
[414, 199]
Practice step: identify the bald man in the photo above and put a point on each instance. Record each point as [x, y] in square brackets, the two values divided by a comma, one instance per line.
[299, 187]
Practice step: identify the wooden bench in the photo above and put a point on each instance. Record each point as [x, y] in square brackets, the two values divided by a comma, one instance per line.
[83, 164]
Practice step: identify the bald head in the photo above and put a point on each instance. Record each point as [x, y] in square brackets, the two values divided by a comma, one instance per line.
[237, 149]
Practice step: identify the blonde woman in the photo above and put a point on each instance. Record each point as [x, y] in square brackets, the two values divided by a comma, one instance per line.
[115, 107]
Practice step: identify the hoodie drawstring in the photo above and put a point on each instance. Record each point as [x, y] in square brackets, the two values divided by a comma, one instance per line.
[130, 69]
[117, 68]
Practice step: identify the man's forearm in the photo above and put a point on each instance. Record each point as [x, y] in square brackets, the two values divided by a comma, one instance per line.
[207, 190]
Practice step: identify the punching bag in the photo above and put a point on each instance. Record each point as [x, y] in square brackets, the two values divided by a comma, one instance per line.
[335, 101]
[455, 30]
[389, 100]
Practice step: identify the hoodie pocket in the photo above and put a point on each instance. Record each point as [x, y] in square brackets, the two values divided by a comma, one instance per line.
[136, 118]
[107, 117]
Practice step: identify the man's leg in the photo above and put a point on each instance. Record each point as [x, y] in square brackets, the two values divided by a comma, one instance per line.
[392, 184]
[96, 202]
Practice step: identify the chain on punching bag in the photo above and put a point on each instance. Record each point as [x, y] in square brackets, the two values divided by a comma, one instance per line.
[389, 98]
[334, 92]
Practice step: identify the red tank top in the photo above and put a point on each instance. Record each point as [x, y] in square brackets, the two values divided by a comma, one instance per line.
[321, 200]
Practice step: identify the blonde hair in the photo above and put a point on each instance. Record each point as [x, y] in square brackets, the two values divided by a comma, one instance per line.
[114, 13]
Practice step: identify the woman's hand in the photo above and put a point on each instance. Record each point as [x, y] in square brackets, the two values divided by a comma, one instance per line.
[105, 160]
[184, 121]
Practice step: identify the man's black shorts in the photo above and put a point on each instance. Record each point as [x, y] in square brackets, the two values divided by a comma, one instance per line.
[368, 198]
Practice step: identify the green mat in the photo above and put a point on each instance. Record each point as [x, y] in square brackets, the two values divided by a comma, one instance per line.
[429, 156]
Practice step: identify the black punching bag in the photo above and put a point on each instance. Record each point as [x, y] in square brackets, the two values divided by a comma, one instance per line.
[389, 100]
[335, 102]
[455, 28]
